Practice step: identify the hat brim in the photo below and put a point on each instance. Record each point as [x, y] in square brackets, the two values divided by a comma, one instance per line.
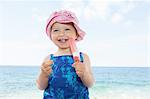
[80, 32]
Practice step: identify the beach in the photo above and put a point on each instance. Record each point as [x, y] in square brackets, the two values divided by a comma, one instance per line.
[111, 83]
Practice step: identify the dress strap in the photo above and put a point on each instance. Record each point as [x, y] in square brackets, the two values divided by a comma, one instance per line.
[81, 57]
[51, 57]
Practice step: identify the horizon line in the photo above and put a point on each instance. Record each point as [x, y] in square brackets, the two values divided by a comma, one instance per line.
[121, 66]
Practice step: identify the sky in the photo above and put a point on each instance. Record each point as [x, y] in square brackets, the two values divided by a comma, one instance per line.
[117, 31]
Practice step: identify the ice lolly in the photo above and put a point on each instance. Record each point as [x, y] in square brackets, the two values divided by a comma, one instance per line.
[74, 50]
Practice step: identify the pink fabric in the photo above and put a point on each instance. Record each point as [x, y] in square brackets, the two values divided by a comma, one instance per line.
[64, 16]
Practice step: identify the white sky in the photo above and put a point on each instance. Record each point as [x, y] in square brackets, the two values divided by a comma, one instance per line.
[117, 31]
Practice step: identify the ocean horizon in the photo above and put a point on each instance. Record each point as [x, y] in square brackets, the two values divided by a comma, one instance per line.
[18, 82]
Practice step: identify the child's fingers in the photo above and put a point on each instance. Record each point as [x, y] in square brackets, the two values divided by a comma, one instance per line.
[79, 73]
[47, 63]
[43, 69]
[49, 71]
[48, 68]
[78, 69]
[45, 66]
[75, 64]
[50, 62]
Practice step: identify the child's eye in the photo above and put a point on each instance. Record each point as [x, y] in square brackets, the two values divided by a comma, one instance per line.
[55, 30]
[67, 29]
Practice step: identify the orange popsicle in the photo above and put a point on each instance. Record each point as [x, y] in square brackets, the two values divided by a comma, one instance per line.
[74, 50]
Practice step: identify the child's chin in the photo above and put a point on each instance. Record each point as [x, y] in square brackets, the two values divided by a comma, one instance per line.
[63, 47]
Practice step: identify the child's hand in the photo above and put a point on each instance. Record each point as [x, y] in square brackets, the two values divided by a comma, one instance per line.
[79, 68]
[46, 68]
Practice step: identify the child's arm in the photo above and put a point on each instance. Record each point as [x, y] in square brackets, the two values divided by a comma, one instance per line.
[46, 70]
[84, 71]
[87, 78]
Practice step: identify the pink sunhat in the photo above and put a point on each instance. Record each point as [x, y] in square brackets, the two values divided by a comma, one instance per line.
[64, 16]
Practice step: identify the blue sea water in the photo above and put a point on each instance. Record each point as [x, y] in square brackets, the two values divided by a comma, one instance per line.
[111, 82]
[122, 82]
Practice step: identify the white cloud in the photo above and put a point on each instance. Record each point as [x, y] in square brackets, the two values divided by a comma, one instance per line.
[100, 8]
[123, 9]
[126, 7]
[88, 10]
[138, 38]
[74, 6]
[37, 16]
[116, 18]
[128, 23]
[88, 13]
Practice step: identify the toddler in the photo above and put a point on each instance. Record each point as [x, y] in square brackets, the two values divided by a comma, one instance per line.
[62, 77]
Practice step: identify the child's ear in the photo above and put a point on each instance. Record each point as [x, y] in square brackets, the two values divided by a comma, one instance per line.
[77, 37]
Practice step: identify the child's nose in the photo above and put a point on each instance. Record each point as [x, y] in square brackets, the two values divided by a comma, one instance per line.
[62, 32]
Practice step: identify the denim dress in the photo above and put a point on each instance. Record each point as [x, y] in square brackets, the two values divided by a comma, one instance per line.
[63, 82]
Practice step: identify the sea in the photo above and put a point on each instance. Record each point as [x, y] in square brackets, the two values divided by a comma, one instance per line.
[18, 82]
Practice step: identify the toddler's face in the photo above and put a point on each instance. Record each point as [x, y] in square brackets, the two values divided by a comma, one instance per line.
[60, 34]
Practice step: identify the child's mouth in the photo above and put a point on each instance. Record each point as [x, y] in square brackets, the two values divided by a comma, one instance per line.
[63, 40]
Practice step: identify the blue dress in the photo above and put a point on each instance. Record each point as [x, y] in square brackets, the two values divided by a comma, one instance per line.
[64, 83]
